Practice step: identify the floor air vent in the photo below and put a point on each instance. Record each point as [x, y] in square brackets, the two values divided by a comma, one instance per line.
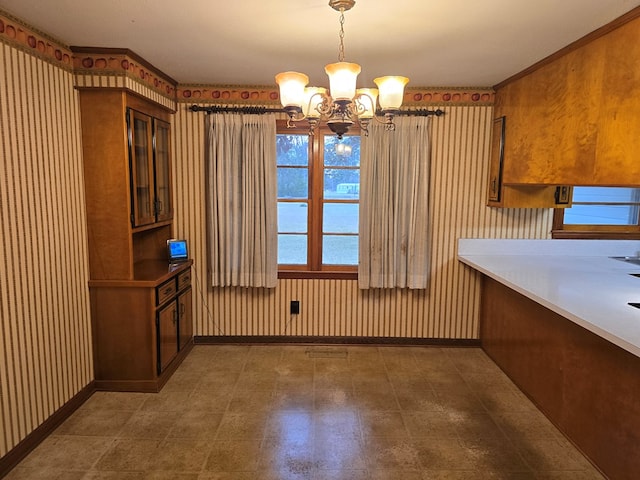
[327, 353]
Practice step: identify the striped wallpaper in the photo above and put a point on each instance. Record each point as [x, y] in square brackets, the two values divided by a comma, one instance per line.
[448, 309]
[45, 333]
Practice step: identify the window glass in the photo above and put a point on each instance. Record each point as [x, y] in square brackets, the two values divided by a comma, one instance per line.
[293, 182]
[292, 149]
[292, 249]
[292, 217]
[340, 249]
[601, 215]
[603, 206]
[342, 153]
[340, 218]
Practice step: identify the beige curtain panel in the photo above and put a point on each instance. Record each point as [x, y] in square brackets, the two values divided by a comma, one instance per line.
[242, 200]
[394, 205]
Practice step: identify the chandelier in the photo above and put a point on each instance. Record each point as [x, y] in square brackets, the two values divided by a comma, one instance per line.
[343, 105]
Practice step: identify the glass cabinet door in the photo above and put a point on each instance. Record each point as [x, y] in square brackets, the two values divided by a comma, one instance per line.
[141, 168]
[163, 171]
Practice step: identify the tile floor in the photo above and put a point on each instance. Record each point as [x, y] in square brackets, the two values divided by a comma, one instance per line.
[314, 413]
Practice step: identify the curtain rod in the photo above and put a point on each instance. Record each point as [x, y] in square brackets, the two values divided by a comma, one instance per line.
[250, 110]
[261, 110]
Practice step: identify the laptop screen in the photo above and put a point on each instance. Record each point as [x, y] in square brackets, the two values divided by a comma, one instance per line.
[177, 250]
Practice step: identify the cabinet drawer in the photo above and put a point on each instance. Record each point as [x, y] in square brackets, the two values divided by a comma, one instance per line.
[165, 291]
[184, 279]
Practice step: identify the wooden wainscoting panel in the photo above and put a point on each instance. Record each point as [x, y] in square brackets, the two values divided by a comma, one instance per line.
[588, 387]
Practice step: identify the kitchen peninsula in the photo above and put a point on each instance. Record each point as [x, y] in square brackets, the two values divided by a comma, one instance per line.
[555, 317]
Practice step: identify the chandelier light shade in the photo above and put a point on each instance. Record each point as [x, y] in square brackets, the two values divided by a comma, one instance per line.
[367, 98]
[343, 105]
[291, 88]
[312, 95]
[342, 79]
[391, 91]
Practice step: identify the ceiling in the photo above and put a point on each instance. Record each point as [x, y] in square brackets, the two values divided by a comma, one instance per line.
[246, 42]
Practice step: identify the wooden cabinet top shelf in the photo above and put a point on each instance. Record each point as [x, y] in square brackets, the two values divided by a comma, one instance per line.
[147, 273]
[152, 226]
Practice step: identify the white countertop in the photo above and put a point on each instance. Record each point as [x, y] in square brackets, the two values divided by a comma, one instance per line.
[574, 278]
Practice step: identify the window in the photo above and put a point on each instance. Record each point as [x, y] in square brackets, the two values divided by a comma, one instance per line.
[600, 212]
[318, 200]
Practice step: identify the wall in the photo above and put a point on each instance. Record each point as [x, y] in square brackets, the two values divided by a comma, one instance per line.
[448, 309]
[45, 336]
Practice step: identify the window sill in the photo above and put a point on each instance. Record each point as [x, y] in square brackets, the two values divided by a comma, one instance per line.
[594, 234]
[322, 274]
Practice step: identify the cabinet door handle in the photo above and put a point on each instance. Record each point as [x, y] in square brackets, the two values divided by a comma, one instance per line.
[493, 185]
[175, 316]
[168, 290]
[182, 309]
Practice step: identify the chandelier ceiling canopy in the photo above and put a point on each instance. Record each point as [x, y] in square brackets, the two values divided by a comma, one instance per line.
[343, 104]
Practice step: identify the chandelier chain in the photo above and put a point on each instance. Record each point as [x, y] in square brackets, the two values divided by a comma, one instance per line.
[341, 46]
[343, 105]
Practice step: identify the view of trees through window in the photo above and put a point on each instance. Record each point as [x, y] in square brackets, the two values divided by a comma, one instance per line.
[318, 198]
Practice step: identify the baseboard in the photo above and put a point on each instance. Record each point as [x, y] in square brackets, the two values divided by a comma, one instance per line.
[304, 340]
[31, 441]
[144, 386]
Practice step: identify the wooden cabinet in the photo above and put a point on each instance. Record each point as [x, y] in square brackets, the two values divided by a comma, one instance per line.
[587, 386]
[162, 165]
[149, 144]
[167, 326]
[518, 196]
[185, 317]
[619, 114]
[574, 121]
[141, 146]
[173, 319]
[120, 179]
[167, 323]
[140, 305]
[496, 159]
[142, 328]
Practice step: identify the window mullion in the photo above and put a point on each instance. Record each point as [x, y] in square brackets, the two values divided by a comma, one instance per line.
[315, 217]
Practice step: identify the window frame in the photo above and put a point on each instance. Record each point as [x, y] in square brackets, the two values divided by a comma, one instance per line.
[314, 267]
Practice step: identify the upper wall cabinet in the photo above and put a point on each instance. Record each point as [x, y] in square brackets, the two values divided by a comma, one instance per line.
[150, 169]
[518, 196]
[575, 121]
[126, 147]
